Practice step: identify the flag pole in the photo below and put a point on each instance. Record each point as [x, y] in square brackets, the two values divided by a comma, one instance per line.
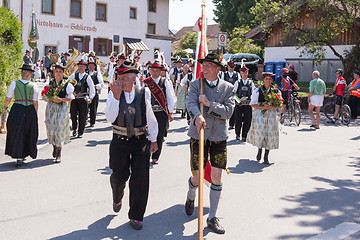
[201, 134]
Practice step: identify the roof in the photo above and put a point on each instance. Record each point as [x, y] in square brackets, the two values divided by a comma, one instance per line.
[212, 31]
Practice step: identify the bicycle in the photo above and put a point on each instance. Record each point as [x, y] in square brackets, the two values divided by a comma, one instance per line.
[344, 112]
[294, 109]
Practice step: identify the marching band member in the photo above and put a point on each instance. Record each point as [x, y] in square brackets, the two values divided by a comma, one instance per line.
[97, 79]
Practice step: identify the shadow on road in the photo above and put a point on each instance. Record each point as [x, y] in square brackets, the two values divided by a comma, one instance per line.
[104, 129]
[165, 225]
[307, 130]
[174, 144]
[326, 207]
[248, 166]
[105, 171]
[28, 164]
[178, 130]
[94, 143]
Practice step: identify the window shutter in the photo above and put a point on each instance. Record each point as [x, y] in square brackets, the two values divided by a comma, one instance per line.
[96, 43]
[71, 42]
[86, 44]
[109, 47]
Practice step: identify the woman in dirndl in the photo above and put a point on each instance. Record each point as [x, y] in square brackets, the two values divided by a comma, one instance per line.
[57, 112]
[264, 130]
[22, 123]
[180, 93]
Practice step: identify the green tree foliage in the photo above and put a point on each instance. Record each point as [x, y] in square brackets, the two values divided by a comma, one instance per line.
[10, 50]
[182, 54]
[188, 41]
[233, 13]
[331, 18]
[239, 44]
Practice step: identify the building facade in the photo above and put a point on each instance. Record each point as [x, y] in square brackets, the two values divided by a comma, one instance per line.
[104, 26]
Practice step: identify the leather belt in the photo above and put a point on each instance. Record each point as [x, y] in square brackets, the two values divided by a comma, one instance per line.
[122, 131]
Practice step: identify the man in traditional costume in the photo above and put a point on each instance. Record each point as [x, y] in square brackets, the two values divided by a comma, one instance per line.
[84, 93]
[135, 129]
[98, 81]
[218, 100]
[22, 124]
[163, 102]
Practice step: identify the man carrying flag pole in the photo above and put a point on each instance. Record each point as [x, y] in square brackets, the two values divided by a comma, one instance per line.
[210, 101]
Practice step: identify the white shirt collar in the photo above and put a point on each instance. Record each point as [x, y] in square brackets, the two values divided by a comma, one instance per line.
[129, 97]
[212, 83]
[157, 80]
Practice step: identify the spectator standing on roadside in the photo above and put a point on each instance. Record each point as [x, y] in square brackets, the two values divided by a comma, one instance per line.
[316, 98]
[339, 89]
[354, 100]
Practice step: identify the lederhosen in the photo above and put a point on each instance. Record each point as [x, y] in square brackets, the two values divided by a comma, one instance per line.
[22, 123]
[162, 119]
[93, 106]
[243, 110]
[231, 80]
[79, 105]
[130, 154]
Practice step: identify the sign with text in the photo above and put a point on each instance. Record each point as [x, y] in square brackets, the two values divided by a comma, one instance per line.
[222, 39]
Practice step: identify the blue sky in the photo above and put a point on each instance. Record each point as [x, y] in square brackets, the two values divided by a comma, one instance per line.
[186, 12]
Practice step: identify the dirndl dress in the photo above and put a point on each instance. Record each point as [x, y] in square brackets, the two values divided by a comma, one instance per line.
[181, 96]
[57, 123]
[264, 130]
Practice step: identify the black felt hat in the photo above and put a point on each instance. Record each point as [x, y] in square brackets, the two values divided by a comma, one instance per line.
[59, 66]
[214, 58]
[156, 64]
[82, 62]
[27, 67]
[268, 74]
[126, 67]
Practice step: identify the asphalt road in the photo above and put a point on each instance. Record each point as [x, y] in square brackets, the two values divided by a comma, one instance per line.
[312, 189]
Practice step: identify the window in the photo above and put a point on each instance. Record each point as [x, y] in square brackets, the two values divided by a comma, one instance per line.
[81, 43]
[75, 8]
[151, 28]
[133, 13]
[116, 49]
[152, 5]
[102, 46]
[101, 11]
[52, 48]
[47, 6]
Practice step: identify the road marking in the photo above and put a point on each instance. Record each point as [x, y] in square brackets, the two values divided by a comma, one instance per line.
[341, 231]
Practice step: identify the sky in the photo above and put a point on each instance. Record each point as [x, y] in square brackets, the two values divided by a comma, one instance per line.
[187, 12]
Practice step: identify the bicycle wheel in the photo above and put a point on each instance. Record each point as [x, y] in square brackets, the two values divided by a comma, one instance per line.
[329, 110]
[290, 111]
[346, 114]
[297, 114]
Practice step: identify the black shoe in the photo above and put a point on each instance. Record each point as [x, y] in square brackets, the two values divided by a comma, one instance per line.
[137, 225]
[18, 163]
[313, 126]
[91, 125]
[74, 133]
[243, 139]
[214, 224]
[258, 156]
[238, 138]
[80, 135]
[54, 151]
[189, 207]
[231, 127]
[155, 161]
[117, 207]
[58, 156]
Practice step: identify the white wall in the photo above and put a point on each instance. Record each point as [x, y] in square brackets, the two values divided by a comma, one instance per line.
[118, 23]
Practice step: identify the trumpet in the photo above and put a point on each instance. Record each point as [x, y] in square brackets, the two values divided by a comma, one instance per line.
[71, 66]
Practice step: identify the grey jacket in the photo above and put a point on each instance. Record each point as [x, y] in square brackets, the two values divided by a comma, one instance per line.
[221, 108]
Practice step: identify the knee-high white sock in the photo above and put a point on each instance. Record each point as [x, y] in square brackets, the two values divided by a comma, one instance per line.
[215, 192]
[192, 191]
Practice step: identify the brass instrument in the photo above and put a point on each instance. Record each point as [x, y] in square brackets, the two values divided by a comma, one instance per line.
[102, 67]
[71, 66]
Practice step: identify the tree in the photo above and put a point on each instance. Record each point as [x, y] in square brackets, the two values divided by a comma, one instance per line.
[181, 54]
[233, 13]
[10, 51]
[188, 40]
[331, 17]
[239, 44]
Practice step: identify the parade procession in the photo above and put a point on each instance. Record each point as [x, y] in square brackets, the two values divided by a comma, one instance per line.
[118, 126]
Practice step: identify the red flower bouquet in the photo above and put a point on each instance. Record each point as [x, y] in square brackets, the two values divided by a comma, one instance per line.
[273, 99]
[53, 90]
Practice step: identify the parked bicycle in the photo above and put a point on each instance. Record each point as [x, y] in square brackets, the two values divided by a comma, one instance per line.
[344, 112]
[294, 110]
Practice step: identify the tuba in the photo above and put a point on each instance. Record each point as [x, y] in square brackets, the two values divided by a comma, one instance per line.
[102, 67]
[71, 65]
